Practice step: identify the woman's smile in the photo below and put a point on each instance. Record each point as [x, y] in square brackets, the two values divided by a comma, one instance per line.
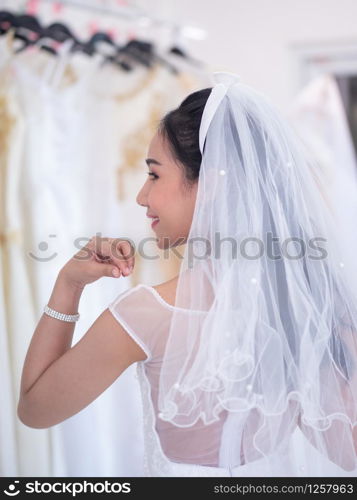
[155, 221]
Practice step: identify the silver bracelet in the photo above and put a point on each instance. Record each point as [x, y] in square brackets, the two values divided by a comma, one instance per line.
[61, 316]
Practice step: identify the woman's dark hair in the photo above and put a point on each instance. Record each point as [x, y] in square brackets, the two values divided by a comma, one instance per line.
[181, 129]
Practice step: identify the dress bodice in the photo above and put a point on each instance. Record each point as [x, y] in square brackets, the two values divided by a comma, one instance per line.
[201, 450]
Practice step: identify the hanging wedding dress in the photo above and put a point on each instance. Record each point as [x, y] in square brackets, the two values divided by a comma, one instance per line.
[72, 119]
[23, 450]
[318, 116]
[60, 175]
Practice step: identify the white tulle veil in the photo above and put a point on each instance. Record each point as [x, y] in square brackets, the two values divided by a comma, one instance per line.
[266, 318]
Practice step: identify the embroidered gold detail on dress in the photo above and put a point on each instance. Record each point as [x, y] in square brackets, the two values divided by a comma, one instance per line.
[69, 76]
[7, 122]
[135, 144]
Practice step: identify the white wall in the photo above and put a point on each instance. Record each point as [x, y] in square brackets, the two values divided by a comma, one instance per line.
[256, 39]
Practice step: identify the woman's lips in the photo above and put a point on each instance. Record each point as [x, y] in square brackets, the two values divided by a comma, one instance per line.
[155, 222]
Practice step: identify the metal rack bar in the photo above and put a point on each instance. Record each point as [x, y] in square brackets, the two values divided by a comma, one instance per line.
[133, 12]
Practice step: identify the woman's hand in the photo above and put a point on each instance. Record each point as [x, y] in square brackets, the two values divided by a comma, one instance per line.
[99, 257]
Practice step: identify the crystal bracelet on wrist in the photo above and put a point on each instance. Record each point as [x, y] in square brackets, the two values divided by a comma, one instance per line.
[63, 317]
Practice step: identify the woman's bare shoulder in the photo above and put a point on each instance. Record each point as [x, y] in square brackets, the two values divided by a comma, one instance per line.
[167, 290]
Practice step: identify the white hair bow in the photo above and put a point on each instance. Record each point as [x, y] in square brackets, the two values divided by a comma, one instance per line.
[223, 81]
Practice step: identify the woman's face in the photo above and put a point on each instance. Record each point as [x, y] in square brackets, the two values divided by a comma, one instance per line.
[165, 195]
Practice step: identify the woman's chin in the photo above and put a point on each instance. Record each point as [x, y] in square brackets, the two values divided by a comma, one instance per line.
[165, 242]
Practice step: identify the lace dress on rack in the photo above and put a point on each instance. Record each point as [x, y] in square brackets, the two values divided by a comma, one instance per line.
[200, 450]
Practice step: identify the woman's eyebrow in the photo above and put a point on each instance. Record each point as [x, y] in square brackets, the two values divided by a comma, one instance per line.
[151, 160]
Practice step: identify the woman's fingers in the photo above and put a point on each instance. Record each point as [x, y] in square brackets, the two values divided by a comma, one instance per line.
[114, 271]
[116, 250]
[127, 253]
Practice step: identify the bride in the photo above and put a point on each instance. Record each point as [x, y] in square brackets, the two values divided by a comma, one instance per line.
[247, 359]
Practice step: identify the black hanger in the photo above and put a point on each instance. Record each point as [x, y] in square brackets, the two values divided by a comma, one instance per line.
[181, 53]
[29, 22]
[117, 57]
[144, 52]
[91, 47]
[30, 31]
[120, 59]
[140, 51]
[6, 21]
[60, 32]
[24, 25]
[132, 52]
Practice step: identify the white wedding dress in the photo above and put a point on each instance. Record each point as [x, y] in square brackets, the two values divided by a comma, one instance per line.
[199, 450]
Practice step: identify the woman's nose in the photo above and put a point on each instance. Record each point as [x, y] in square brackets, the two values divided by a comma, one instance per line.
[140, 198]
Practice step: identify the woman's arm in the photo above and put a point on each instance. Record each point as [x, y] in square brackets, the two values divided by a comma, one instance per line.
[52, 337]
[59, 380]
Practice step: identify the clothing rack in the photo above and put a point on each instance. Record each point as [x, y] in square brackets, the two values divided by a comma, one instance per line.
[135, 51]
[134, 13]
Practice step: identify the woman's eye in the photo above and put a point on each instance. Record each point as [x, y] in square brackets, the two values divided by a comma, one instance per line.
[154, 175]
